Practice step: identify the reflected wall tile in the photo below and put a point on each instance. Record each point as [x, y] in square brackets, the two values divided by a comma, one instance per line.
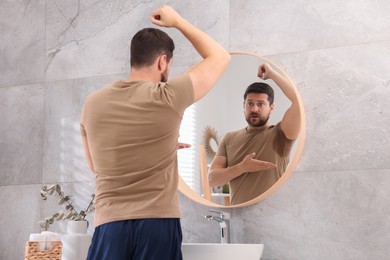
[291, 26]
[346, 103]
[22, 45]
[21, 134]
[64, 158]
[88, 39]
[341, 211]
[21, 208]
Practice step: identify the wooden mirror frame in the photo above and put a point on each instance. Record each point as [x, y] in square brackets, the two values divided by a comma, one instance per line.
[188, 192]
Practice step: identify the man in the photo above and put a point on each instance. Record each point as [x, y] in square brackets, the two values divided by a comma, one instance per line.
[130, 133]
[254, 158]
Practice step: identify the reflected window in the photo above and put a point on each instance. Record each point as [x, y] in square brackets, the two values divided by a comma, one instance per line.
[187, 159]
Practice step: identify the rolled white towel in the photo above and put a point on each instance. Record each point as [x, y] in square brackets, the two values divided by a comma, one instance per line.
[45, 238]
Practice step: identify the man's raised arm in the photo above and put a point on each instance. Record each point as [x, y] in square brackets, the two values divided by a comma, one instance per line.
[291, 121]
[205, 74]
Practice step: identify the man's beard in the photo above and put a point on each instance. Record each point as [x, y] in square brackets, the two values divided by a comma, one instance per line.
[260, 123]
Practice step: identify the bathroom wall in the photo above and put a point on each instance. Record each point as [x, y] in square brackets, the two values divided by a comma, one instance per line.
[334, 206]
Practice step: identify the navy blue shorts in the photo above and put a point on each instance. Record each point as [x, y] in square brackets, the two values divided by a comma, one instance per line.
[138, 239]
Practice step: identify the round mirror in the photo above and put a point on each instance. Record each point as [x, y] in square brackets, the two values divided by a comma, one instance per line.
[220, 112]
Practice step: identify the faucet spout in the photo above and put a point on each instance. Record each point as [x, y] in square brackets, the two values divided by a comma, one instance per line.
[224, 222]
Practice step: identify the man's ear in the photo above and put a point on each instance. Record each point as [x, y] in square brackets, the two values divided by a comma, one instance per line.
[272, 108]
[162, 63]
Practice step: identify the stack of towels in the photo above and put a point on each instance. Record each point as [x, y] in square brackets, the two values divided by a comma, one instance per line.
[45, 238]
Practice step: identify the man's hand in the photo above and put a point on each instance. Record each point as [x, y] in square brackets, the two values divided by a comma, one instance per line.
[165, 16]
[264, 71]
[220, 174]
[249, 164]
[182, 145]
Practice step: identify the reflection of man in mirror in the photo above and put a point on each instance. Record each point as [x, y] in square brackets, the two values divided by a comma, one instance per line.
[254, 158]
[130, 133]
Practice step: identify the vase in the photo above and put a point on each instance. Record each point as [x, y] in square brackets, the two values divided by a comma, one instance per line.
[76, 241]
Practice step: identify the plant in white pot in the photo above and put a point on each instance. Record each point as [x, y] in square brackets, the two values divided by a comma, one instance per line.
[64, 200]
[76, 241]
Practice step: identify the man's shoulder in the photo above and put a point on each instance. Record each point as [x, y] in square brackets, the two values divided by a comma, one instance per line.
[104, 89]
[182, 79]
[274, 128]
[97, 96]
[236, 132]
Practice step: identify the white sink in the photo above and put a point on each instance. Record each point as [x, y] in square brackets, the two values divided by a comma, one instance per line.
[195, 251]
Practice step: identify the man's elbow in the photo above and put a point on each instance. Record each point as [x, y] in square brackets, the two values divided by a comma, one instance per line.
[226, 58]
[222, 58]
[211, 180]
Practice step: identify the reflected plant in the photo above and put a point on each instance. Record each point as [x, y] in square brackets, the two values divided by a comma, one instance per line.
[211, 140]
[64, 200]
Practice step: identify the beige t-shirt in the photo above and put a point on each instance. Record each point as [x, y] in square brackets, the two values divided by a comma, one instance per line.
[132, 130]
[270, 145]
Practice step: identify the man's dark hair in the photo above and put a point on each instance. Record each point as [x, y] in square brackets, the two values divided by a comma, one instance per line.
[260, 87]
[147, 44]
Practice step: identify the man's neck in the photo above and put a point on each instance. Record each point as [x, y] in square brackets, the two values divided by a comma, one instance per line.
[249, 127]
[143, 74]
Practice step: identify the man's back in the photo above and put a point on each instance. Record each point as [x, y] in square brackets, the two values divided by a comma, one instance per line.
[133, 129]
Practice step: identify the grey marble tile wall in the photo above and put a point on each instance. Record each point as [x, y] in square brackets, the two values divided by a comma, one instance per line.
[333, 207]
[21, 134]
[22, 44]
[20, 212]
[268, 27]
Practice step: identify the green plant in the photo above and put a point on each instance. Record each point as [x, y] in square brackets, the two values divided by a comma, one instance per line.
[70, 214]
[225, 189]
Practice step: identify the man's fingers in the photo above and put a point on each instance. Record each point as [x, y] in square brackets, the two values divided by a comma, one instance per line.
[251, 155]
[156, 19]
[266, 164]
[157, 16]
[183, 145]
[269, 164]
